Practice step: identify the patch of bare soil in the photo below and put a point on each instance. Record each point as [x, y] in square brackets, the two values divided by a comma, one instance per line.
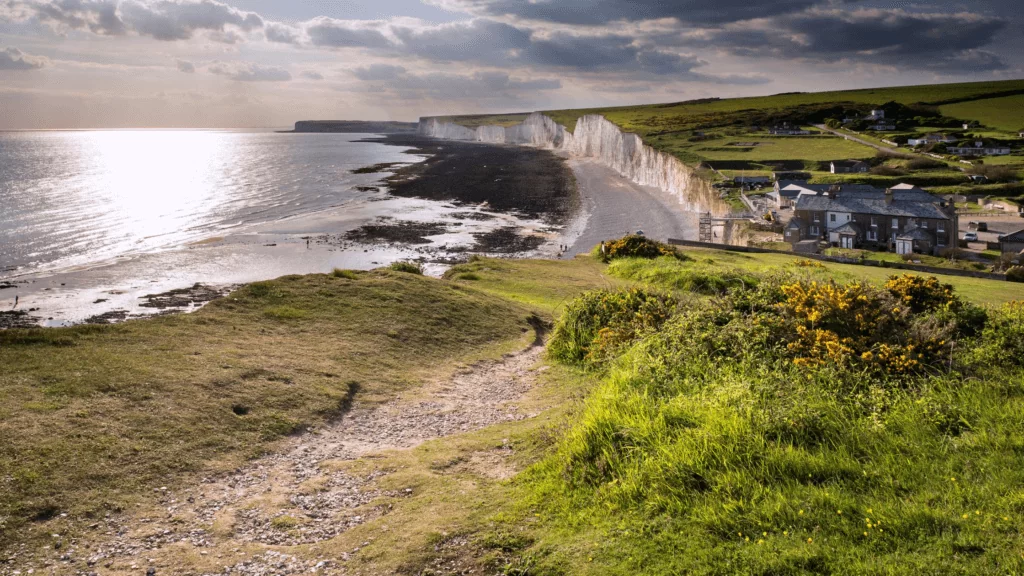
[247, 521]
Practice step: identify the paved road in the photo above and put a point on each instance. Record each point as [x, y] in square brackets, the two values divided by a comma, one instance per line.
[617, 206]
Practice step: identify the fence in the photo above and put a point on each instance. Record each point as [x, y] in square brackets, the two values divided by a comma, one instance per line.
[842, 260]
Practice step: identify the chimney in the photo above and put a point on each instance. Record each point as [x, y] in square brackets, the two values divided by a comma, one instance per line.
[833, 192]
[888, 196]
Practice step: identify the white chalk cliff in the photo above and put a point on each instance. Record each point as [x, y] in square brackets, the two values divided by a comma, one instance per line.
[598, 139]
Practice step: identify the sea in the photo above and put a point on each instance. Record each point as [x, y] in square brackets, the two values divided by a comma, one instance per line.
[90, 221]
[77, 198]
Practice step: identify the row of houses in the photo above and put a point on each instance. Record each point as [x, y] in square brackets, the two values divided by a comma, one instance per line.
[979, 149]
[903, 218]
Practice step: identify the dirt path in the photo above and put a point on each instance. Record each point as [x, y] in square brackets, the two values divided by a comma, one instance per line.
[245, 522]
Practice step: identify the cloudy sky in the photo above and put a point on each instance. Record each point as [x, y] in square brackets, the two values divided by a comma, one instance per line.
[267, 63]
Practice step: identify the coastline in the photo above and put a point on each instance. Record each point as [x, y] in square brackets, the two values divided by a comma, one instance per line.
[421, 211]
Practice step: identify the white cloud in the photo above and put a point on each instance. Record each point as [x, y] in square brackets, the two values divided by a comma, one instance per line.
[249, 72]
[186, 66]
[14, 59]
[311, 75]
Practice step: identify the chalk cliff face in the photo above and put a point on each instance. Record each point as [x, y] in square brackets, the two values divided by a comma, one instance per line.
[596, 138]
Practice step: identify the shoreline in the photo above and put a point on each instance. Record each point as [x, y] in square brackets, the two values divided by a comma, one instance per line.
[461, 199]
[451, 221]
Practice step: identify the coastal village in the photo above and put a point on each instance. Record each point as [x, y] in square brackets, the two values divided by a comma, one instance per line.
[936, 188]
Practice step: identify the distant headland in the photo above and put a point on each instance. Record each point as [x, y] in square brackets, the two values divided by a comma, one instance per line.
[354, 126]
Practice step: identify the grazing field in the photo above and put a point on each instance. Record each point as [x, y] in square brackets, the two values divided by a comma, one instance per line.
[1005, 114]
[769, 148]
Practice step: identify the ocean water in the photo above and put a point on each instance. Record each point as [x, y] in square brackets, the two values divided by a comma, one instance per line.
[71, 199]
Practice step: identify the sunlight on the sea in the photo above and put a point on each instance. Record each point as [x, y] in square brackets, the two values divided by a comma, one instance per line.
[157, 182]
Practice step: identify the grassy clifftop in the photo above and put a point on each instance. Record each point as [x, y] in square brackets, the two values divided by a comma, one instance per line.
[93, 418]
[701, 412]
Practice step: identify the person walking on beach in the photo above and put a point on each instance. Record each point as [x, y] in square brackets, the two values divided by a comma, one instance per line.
[604, 251]
[15, 302]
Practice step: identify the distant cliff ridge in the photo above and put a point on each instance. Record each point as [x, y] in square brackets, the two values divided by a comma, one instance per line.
[599, 139]
[354, 126]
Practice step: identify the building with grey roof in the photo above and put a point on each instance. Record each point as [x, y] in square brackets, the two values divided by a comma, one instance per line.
[864, 216]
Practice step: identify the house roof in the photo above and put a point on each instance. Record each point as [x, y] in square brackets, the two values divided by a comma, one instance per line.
[795, 223]
[1017, 236]
[917, 234]
[913, 203]
[848, 228]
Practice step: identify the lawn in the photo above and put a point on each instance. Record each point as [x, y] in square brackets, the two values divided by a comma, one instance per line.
[1005, 114]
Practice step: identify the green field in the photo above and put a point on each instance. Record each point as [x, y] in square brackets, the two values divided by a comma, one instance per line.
[1005, 114]
[771, 148]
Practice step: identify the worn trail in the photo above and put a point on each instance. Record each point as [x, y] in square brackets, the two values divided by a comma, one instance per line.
[255, 520]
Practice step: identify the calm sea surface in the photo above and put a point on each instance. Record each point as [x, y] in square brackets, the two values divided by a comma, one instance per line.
[75, 198]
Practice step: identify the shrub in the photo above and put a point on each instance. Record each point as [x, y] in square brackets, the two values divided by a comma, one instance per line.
[407, 267]
[636, 246]
[1002, 340]
[600, 321]
[925, 164]
[1015, 274]
[347, 274]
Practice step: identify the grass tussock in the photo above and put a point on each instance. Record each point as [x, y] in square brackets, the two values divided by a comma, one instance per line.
[407, 267]
[790, 426]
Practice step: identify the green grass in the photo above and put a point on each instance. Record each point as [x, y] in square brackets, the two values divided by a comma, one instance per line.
[1005, 114]
[696, 450]
[769, 148]
[702, 451]
[93, 418]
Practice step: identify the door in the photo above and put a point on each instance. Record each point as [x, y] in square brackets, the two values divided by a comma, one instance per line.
[846, 241]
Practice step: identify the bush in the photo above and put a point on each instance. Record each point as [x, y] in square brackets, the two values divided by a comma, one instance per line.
[1015, 274]
[407, 267]
[1002, 340]
[347, 274]
[636, 246]
[598, 322]
[925, 164]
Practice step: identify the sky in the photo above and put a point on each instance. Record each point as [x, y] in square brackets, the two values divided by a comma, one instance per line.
[268, 63]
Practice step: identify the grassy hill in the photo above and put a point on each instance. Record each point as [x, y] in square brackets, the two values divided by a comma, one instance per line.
[719, 131]
[693, 416]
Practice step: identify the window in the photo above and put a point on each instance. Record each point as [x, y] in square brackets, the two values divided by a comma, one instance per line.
[832, 217]
[814, 230]
[941, 227]
[895, 222]
[874, 222]
[817, 218]
[924, 224]
[872, 235]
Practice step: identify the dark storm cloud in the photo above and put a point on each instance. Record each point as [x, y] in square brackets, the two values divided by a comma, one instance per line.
[14, 59]
[597, 12]
[490, 43]
[937, 42]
